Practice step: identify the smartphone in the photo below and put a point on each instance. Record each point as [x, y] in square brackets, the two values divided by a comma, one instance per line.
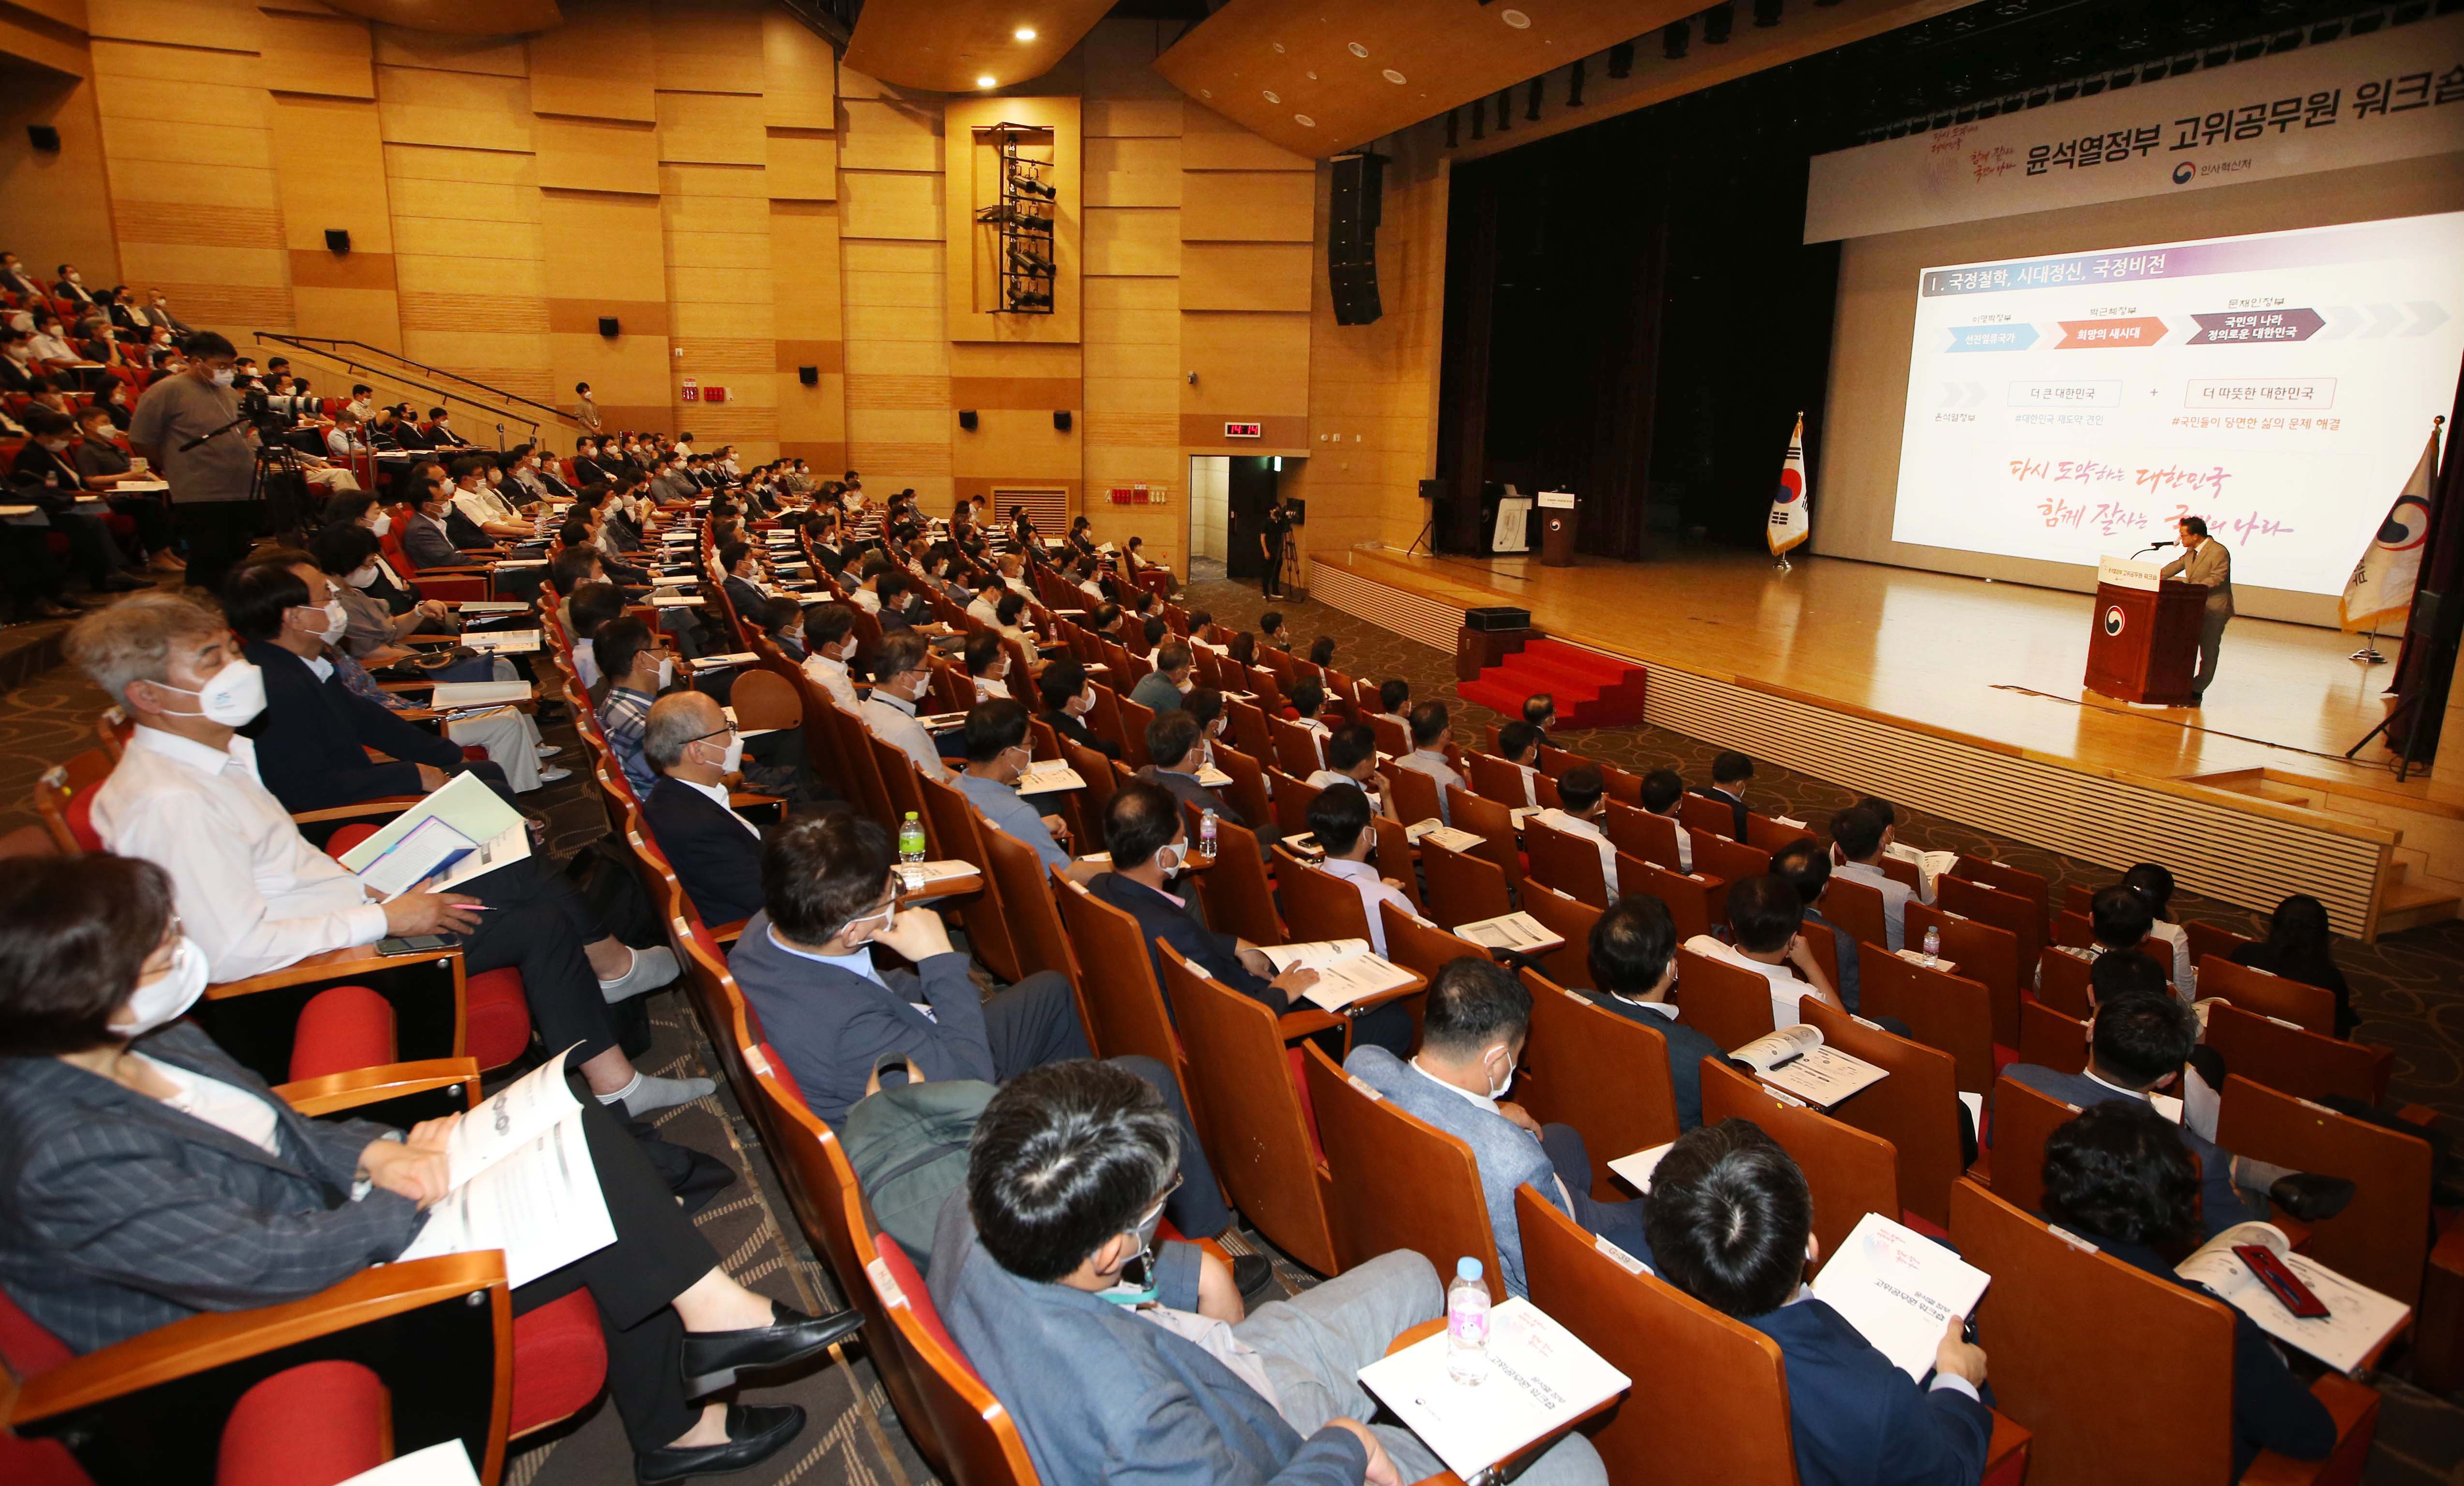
[2280, 1280]
[419, 943]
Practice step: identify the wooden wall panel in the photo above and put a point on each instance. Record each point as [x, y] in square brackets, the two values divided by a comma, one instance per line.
[710, 128]
[805, 313]
[708, 46]
[1244, 276]
[598, 155]
[799, 75]
[1141, 241]
[68, 190]
[1135, 172]
[881, 204]
[602, 63]
[330, 55]
[1251, 366]
[1250, 207]
[716, 242]
[1211, 142]
[329, 157]
[802, 164]
[462, 110]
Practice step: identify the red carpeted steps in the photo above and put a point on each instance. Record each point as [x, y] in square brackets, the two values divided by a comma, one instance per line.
[1591, 690]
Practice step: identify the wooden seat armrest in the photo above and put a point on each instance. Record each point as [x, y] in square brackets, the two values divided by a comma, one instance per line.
[444, 640]
[326, 965]
[2010, 1439]
[728, 934]
[1293, 1025]
[202, 1342]
[2296, 1233]
[335, 1092]
[383, 806]
[739, 799]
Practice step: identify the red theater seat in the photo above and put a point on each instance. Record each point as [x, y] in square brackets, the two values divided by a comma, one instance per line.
[313, 1425]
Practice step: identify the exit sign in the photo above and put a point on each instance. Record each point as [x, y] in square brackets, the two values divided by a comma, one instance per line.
[1243, 430]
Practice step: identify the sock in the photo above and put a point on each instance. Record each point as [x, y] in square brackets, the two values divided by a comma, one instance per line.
[625, 1093]
[633, 958]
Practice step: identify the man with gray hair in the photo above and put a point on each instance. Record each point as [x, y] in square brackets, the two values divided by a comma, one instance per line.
[256, 896]
[716, 852]
[901, 679]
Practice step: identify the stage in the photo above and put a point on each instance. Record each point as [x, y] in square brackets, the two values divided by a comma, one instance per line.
[1964, 695]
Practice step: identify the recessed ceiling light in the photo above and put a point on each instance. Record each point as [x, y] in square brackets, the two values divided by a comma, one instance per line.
[1312, 77]
[1024, 33]
[1279, 48]
[1304, 121]
[984, 82]
[1357, 50]
[1393, 76]
[1516, 19]
[1271, 96]
[1206, 93]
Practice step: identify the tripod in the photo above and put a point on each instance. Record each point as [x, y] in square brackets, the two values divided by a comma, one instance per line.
[2442, 654]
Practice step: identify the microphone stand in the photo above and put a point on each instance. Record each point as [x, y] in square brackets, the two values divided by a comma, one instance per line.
[206, 438]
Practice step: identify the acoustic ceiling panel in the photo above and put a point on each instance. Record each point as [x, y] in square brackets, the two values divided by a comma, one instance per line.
[951, 45]
[1319, 78]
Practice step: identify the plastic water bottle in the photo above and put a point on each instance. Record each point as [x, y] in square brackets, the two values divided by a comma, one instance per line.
[1933, 944]
[910, 838]
[1206, 834]
[1468, 1325]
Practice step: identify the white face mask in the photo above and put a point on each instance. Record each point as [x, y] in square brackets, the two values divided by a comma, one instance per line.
[383, 524]
[1084, 703]
[158, 1003]
[337, 619]
[365, 577]
[1169, 858]
[732, 755]
[225, 377]
[667, 672]
[231, 696]
[1501, 1090]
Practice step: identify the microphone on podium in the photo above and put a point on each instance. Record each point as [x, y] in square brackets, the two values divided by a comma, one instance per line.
[2152, 546]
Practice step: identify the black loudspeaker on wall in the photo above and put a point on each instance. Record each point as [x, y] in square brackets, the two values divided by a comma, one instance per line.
[44, 138]
[1432, 490]
[337, 240]
[1061, 419]
[1351, 237]
[810, 376]
[608, 327]
[967, 418]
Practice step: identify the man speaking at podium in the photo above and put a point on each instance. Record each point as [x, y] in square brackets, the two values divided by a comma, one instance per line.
[2204, 561]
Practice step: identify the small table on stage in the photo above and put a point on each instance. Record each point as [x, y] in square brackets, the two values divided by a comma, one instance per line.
[2144, 641]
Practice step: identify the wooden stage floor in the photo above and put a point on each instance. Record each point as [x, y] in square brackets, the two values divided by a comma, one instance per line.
[1972, 659]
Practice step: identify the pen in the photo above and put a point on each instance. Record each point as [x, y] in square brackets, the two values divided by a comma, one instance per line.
[1785, 1061]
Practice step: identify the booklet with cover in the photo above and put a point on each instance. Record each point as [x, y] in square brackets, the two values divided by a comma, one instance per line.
[1899, 1289]
[1347, 970]
[2357, 1318]
[1795, 1059]
[523, 1182]
[446, 839]
[1541, 1379]
[1929, 865]
[1520, 932]
[1047, 774]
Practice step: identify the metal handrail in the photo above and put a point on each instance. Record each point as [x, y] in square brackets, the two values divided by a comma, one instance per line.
[321, 345]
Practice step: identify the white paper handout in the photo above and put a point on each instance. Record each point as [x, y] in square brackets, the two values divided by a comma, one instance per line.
[1899, 1289]
[1541, 1378]
[1638, 1168]
[2358, 1317]
[1929, 865]
[1435, 830]
[1047, 774]
[452, 835]
[477, 694]
[502, 642]
[1347, 970]
[1793, 1058]
[914, 875]
[1519, 933]
[445, 1463]
[523, 1182]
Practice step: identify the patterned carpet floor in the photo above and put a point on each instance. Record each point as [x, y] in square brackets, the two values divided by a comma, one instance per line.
[2409, 988]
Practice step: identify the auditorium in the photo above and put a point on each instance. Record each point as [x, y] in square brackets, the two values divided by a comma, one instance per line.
[836, 742]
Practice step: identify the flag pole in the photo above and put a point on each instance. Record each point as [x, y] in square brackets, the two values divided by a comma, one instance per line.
[2368, 653]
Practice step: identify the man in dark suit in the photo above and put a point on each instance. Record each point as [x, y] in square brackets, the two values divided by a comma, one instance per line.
[426, 537]
[716, 852]
[1730, 771]
[1171, 743]
[2139, 1041]
[1804, 865]
[409, 434]
[1633, 965]
[1149, 842]
[1066, 695]
[16, 280]
[312, 740]
[805, 963]
[441, 433]
[743, 569]
[1731, 1223]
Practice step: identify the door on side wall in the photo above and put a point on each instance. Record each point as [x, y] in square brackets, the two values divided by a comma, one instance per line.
[1249, 490]
[1210, 478]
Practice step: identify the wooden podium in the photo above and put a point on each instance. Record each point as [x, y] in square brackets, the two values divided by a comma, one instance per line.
[2143, 642]
[1555, 513]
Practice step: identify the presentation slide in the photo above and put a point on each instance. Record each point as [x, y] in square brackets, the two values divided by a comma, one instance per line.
[2279, 384]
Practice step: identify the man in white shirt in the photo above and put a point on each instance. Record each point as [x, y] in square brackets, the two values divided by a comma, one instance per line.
[1856, 851]
[1518, 743]
[985, 609]
[480, 503]
[1430, 735]
[829, 645]
[1584, 792]
[900, 680]
[1013, 572]
[1352, 764]
[1663, 793]
[257, 897]
[1339, 819]
[1766, 914]
[344, 440]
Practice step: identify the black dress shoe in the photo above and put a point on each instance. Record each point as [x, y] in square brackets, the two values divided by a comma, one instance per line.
[1255, 1275]
[2312, 1196]
[755, 1433]
[711, 1359]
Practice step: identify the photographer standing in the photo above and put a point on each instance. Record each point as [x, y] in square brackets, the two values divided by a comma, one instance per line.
[209, 483]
